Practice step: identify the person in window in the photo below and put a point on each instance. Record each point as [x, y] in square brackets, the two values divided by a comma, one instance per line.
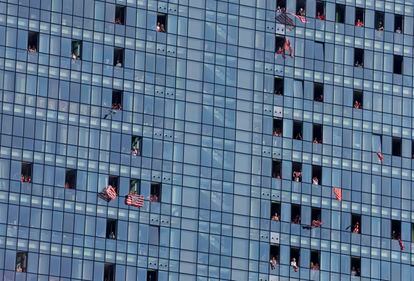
[32, 49]
[357, 105]
[280, 51]
[275, 217]
[134, 151]
[158, 28]
[273, 262]
[118, 21]
[301, 12]
[116, 106]
[356, 228]
[296, 220]
[118, 63]
[319, 98]
[398, 30]
[278, 9]
[19, 268]
[316, 140]
[315, 181]
[297, 175]
[359, 23]
[380, 26]
[162, 28]
[316, 223]
[320, 16]
[358, 64]
[277, 132]
[294, 265]
[74, 56]
[67, 185]
[112, 235]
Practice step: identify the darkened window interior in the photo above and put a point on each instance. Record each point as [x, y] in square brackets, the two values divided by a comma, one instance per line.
[70, 179]
[398, 64]
[117, 99]
[295, 214]
[33, 41]
[396, 146]
[156, 191]
[109, 272]
[274, 251]
[295, 254]
[134, 186]
[355, 266]
[21, 262]
[275, 209]
[297, 130]
[279, 85]
[297, 171]
[26, 173]
[358, 99]
[340, 13]
[317, 133]
[152, 275]
[395, 229]
[161, 22]
[359, 57]
[76, 49]
[111, 228]
[315, 260]
[318, 92]
[120, 14]
[281, 4]
[320, 9]
[277, 169]
[399, 23]
[316, 214]
[119, 57]
[277, 127]
[359, 15]
[379, 20]
[316, 174]
[356, 224]
[280, 41]
[114, 182]
[301, 7]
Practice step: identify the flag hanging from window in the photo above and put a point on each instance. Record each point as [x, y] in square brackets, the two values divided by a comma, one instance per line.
[134, 200]
[401, 244]
[380, 156]
[283, 18]
[301, 18]
[108, 193]
[338, 193]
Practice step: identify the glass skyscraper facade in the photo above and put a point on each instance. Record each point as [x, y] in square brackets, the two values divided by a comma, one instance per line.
[186, 140]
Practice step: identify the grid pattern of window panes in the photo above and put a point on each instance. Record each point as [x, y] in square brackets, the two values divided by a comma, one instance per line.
[201, 140]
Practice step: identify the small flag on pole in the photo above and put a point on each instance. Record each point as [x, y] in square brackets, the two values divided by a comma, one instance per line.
[338, 193]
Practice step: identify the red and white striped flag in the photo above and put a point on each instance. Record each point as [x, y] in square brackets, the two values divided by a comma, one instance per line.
[401, 244]
[338, 193]
[301, 18]
[134, 200]
[380, 156]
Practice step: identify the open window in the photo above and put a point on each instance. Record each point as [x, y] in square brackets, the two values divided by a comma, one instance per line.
[277, 127]
[356, 225]
[398, 23]
[119, 57]
[396, 146]
[359, 17]
[26, 172]
[114, 182]
[279, 86]
[274, 256]
[136, 144]
[117, 100]
[316, 175]
[152, 275]
[398, 64]
[275, 211]
[297, 171]
[316, 215]
[111, 228]
[76, 49]
[161, 22]
[295, 258]
[297, 130]
[395, 229]
[33, 41]
[279, 45]
[320, 10]
[340, 13]
[295, 214]
[317, 133]
[21, 262]
[315, 260]
[70, 179]
[379, 20]
[359, 57]
[120, 12]
[280, 6]
[109, 272]
[301, 7]
[358, 99]
[355, 266]
[318, 92]
[134, 186]
[156, 190]
[276, 169]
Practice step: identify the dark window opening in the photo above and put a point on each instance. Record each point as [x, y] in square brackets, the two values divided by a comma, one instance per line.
[297, 130]
[396, 146]
[76, 49]
[318, 92]
[297, 171]
[109, 272]
[398, 23]
[412, 232]
[279, 45]
[114, 182]
[21, 262]
[316, 175]
[320, 10]
[111, 227]
[358, 99]
[301, 7]
[315, 260]
[275, 211]
[280, 6]
[136, 144]
[317, 133]
[277, 169]
[359, 17]
[274, 256]
[26, 172]
[152, 275]
[154, 235]
[134, 186]
[156, 190]
[379, 21]
[161, 22]
[295, 258]
[359, 57]
[119, 57]
[33, 41]
[295, 214]
[395, 229]
[117, 100]
[340, 13]
[277, 127]
[356, 223]
[355, 266]
[279, 86]
[120, 14]
[70, 179]
[316, 215]
[398, 64]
